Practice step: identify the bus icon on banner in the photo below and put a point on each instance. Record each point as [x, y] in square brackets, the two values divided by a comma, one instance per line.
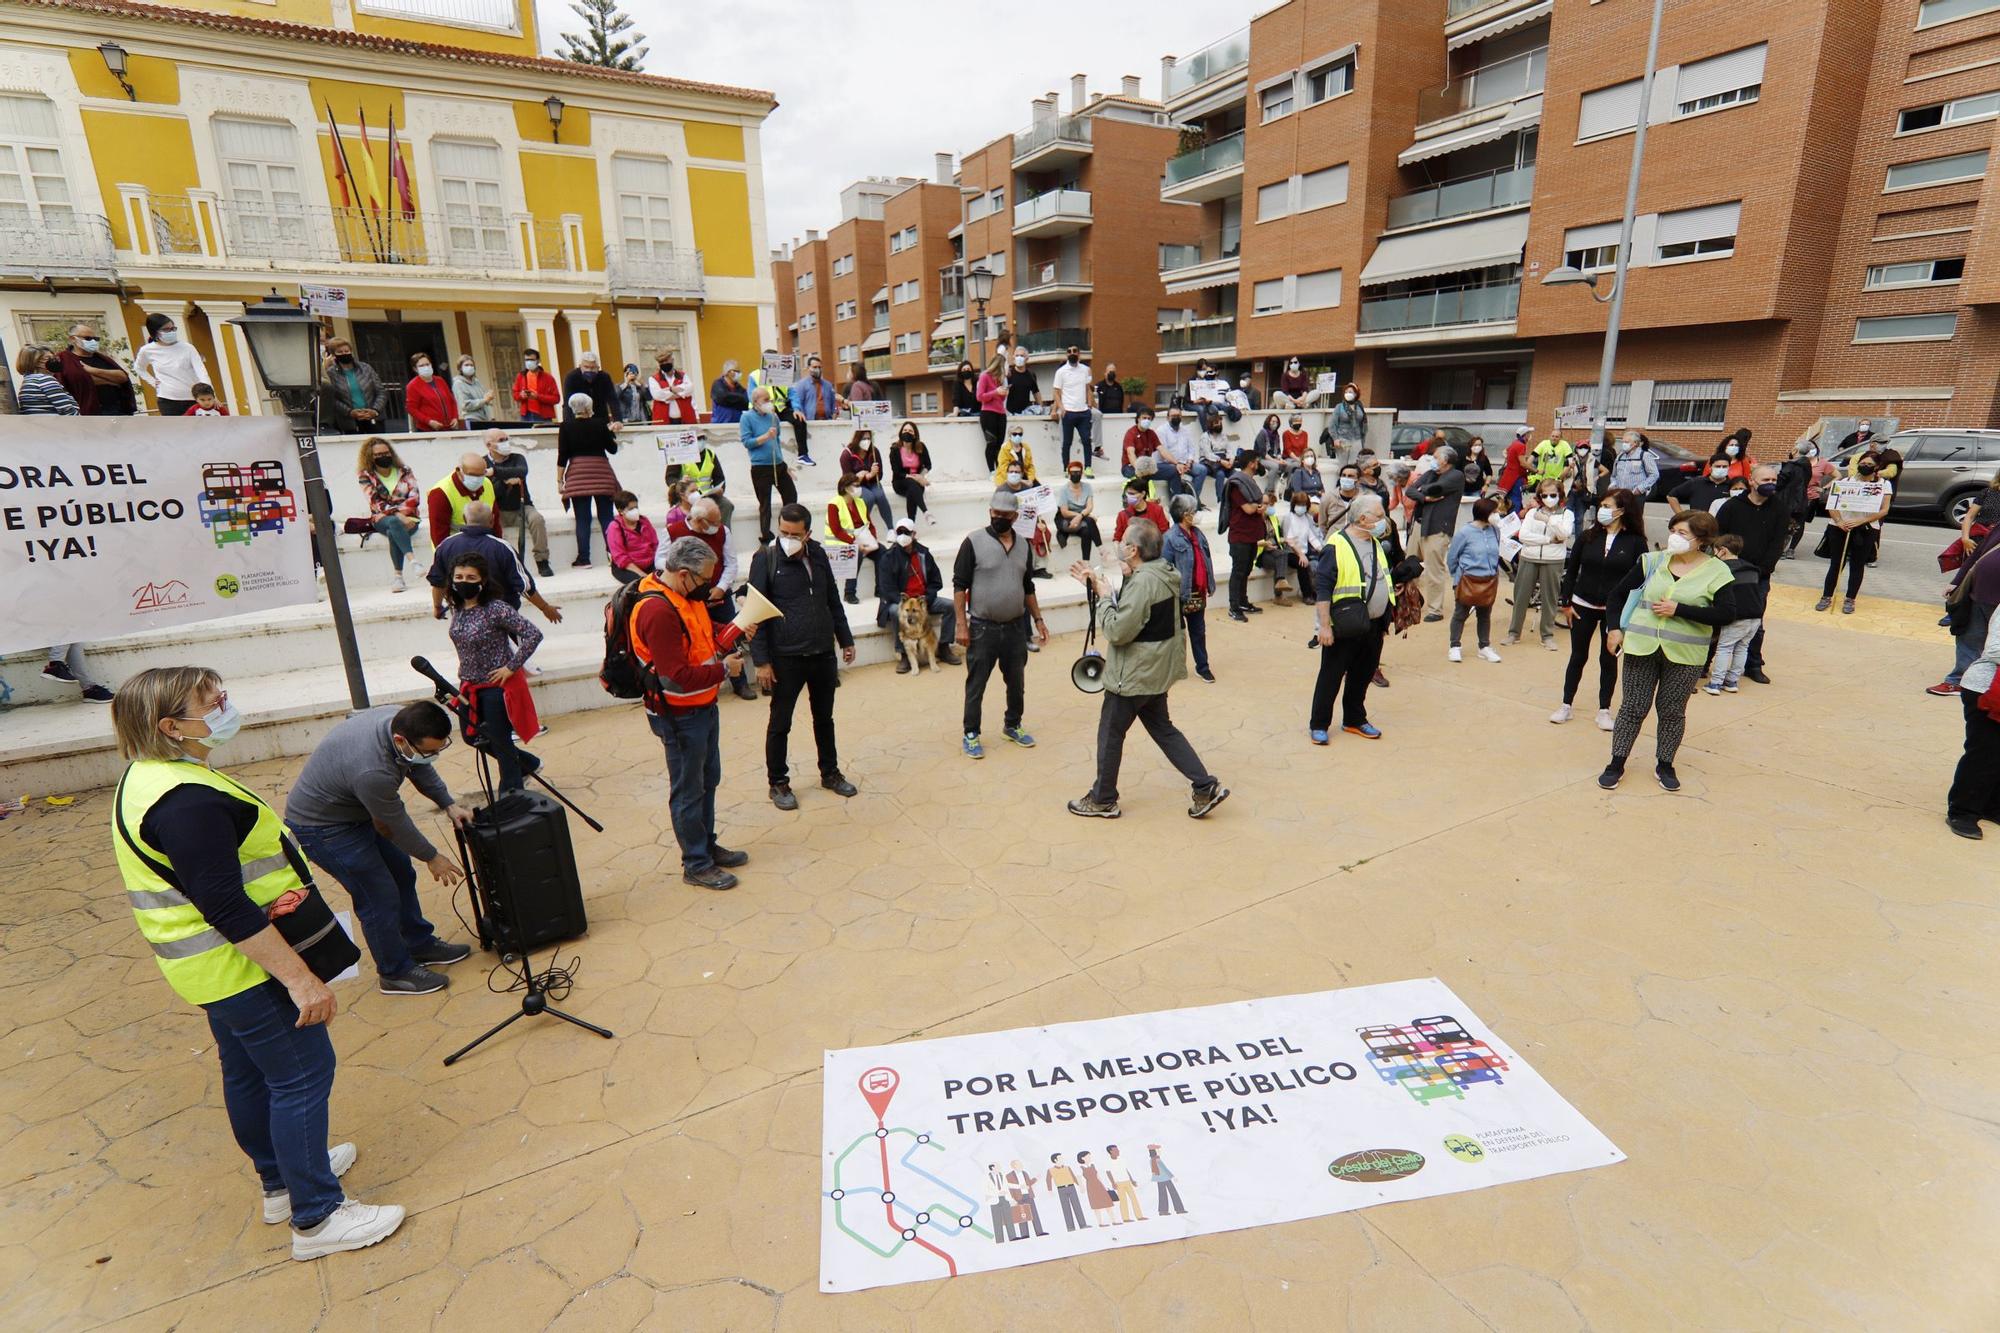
[238, 500]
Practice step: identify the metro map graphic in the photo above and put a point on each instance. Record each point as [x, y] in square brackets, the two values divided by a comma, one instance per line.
[948, 1217]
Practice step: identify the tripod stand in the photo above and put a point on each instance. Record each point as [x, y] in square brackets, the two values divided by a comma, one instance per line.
[498, 929]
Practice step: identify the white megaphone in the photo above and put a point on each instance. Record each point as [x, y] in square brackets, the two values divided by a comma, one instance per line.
[753, 609]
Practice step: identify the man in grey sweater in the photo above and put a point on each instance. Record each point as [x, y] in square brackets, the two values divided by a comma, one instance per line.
[346, 810]
[993, 598]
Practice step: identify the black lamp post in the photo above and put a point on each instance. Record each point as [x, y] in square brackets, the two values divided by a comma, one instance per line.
[554, 106]
[979, 290]
[115, 61]
[284, 342]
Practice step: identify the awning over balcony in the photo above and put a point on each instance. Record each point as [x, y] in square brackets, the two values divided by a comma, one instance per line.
[952, 327]
[1177, 286]
[881, 294]
[1469, 245]
[1520, 18]
[1522, 114]
[877, 341]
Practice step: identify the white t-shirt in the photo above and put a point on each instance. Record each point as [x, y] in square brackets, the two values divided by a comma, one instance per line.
[1072, 384]
[172, 371]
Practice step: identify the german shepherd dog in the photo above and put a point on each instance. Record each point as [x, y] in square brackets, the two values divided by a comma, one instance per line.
[915, 633]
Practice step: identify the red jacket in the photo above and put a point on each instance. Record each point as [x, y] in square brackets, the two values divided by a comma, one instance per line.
[1128, 513]
[536, 392]
[675, 411]
[424, 403]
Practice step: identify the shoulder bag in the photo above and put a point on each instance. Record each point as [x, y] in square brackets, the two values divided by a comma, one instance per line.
[1349, 618]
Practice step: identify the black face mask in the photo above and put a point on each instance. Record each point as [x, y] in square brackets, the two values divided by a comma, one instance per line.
[666, 367]
[465, 592]
[345, 358]
[999, 523]
[1767, 489]
[382, 460]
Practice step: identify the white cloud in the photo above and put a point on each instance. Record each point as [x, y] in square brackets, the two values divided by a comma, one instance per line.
[878, 88]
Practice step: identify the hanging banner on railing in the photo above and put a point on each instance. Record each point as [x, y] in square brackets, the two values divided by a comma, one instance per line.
[321, 300]
[112, 525]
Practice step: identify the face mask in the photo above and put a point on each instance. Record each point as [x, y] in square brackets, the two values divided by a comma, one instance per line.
[999, 523]
[1299, 509]
[88, 344]
[1680, 543]
[1731, 450]
[425, 372]
[1013, 478]
[1719, 471]
[1135, 501]
[666, 367]
[1020, 362]
[168, 337]
[223, 722]
[631, 515]
[530, 364]
[466, 370]
[792, 545]
[1551, 501]
[1145, 423]
[1767, 489]
[1347, 485]
[1605, 513]
[1292, 366]
[1380, 528]
[1735, 494]
[345, 358]
[1866, 469]
[1174, 422]
[909, 437]
[1808, 452]
[414, 756]
[1076, 476]
[382, 461]
[1631, 446]
[465, 592]
[905, 539]
[1350, 395]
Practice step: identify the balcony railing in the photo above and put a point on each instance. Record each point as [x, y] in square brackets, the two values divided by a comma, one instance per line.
[1068, 271]
[878, 363]
[1456, 9]
[1056, 129]
[1226, 243]
[1211, 62]
[1205, 335]
[60, 245]
[183, 227]
[947, 352]
[655, 271]
[1504, 188]
[1056, 203]
[1221, 155]
[1442, 307]
[1501, 81]
[1045, 342]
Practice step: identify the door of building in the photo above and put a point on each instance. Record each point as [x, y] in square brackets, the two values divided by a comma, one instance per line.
[388, 347]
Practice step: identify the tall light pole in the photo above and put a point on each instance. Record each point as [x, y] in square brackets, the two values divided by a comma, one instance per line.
[979, 288]
[1600, 405]
[284, 342]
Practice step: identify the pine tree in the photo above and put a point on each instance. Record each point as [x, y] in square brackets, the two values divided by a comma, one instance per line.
[600, 43]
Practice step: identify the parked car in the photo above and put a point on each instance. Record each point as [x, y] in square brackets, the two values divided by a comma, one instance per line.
[1943, 471]
[1403, 440]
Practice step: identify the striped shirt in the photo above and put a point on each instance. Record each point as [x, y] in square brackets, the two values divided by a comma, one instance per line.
[42, 394]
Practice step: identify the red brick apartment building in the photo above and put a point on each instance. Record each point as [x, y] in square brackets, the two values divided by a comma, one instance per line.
[1383, 185]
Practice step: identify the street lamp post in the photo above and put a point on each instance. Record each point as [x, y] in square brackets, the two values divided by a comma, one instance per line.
[1600, 405]
[979, 290]
[284, 342]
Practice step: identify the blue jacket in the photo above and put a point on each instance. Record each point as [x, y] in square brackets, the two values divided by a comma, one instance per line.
[1177, 548]
[752, 424]
[1474, 550]
[814, 406]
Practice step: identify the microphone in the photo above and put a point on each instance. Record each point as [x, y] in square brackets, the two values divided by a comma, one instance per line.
[423, 667]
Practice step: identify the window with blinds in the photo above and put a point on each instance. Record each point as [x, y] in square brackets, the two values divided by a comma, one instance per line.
[1906, 328]
[1268, 297]
[1617, 409]
[260, 171]
[34, 188]
[1318, 189]
[1730, 79]
[1274, 200]
[1936, 171]
[469, 190]
[1698, 233]
[1317, 291]
[1593, 249]
[1690, 402]
[644, 186]
[1609, 110]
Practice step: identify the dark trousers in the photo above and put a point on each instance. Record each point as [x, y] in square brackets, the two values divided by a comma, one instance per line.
[1975, 787]
[1083, 529]
[1346, 669]
[175, 407]
[818, 674]
[1197, 630]
[1072, 1210]
[1242, 560]
[1169, 1195]
[763, 476]
[580, 505]
[693, 741]
[496, 737]
[1003, 644]
[624, 575]
[1304, 569]
[1116, 717]
[1655, 684]
[276, 1077]
[799, 435]
[1073, 424]
[1004, 1229]
[993, 425]
[382, 880]
[912, 492]
[1584, 623]
[1858, 555]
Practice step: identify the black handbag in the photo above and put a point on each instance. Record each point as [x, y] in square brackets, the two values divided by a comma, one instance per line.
[1348, 619]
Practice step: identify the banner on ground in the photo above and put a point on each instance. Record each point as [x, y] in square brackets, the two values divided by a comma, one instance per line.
[969, 1154]
[112, 525]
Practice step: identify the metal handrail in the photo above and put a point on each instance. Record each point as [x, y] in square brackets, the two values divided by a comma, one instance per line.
[312, 234]
[1504, 187]
[1053, 204]
[58, 245]
[1221, 155]
[1204, 335]
[1219, 57]
[1226, 243]
[1053, 340]
[677, 272]
[1067, 271]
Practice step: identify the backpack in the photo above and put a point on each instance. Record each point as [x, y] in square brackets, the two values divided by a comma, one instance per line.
[623, 675]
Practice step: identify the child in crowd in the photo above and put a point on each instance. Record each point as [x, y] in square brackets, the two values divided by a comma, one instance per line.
[205, 404]
[1746, 594]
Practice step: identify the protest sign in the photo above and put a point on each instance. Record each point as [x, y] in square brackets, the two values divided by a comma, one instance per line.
[871, 414]
[1037, 503]
[1572, 416]
[1854, 496]
[1509, 528]
[111, 525]
[778, 371]
[1327, 383]
[844, 559]
[681, 446]
[974, 1153]
[321, 300]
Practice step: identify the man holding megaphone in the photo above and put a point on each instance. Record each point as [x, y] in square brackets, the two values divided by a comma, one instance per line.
[1143, 630]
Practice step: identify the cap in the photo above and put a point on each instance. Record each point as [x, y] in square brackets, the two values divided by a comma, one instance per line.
[1522, 432]
[904, 525]
[1005, 502]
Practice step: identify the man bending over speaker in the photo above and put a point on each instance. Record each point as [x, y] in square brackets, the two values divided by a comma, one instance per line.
[347, 810]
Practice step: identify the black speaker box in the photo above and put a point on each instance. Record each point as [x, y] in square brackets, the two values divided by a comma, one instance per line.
[524, 871]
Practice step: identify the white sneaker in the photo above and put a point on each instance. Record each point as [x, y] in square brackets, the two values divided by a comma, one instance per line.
[1489, 655]
[352, 1226]
[1561, 715]
[1455, 655]
[397, 585]
[1604, 722]
[278, 1207]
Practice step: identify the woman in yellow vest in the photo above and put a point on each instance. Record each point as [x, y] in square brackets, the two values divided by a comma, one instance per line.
[848, 524]
[205, 863]
[1670, 616]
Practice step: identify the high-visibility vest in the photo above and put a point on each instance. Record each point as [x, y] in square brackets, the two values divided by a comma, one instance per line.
[1547, 460]
[1683, 641]
[1348, 580]
[852, 509]
[197, 961]
[781, 394]
[700, 631]
[458, 500]
[701, 469]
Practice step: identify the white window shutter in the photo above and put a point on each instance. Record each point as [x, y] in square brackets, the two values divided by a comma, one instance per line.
[1609, 109]
[1590, 238]
[1698, 224]
[1321, 188]
[1318, 291]
[1722, 74]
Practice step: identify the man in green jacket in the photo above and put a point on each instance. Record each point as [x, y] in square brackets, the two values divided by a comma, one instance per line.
[1142, 627]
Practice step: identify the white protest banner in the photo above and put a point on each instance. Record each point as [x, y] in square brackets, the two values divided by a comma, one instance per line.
[111, 525]
[1037, 503]
[1509, 528]
[871, 414]
[681, 446]
[778, 371]
[1855, 496]
[974, 1153]
[1570, 416]
[321, 300]
[1327, 383]
[845, 560]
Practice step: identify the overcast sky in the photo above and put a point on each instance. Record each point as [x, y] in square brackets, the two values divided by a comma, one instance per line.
[896, 81]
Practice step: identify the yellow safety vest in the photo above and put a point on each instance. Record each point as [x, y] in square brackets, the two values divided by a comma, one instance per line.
[1682, 641]
[1547, 460]
[458, 501]
[781, 394]
[854, 510]
[197, 961]
[1348, 580]
[701, 469]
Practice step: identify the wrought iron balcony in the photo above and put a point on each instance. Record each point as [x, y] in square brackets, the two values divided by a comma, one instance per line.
[59, 245]
[669, 274]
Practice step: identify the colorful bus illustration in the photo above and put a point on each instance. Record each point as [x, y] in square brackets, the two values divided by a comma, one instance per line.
[1431, 1057]
[240, 500]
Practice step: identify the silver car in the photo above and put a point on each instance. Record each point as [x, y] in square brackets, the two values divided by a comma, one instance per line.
[1943, 469]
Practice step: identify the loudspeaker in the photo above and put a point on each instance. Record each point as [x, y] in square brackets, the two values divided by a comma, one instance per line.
[1087, 673]
[524, 873]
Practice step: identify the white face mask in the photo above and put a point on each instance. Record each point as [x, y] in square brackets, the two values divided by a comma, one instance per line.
[1381, 528]
[792, 545]
[1732, 451]
[1013, 478]
[425, 372]
[1809, 452]
[1680, 543]
[1551, 501]
[466, 370]
[1299, 509]
[1605, 513]
[413, 756]
[1020, 362]
[1348, 485]
[905, 539]
[168, 337]
[1719, 471]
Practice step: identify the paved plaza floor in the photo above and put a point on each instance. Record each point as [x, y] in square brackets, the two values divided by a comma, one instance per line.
[1765, 990]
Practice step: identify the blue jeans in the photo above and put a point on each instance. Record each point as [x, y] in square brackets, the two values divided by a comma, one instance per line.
[1969, 645]
[400, 536]
[580, 506]
[1073, 424]
[1204, 470]
[693, 740]
[382, 880]
[276, 1077]
[874, 497]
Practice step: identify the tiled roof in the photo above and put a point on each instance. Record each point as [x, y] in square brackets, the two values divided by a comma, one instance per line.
[361, 41]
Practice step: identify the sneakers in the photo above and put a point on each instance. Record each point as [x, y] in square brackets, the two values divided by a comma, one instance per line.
[544, 568]
[839, 785]
[59, 671]
[439, 954]
[1823, 603]
[396, 584]
[1019, 737]
[1711, 689]
[1550, 644]
[1944, 689]
[1205, 674]
[1235, 614]
[781, 796]
[1668, 779]
[1207, 798]
[1433, 617]
[726, 858]
[1847, 606]
[1488, 655]
[1456, 654]
[973, 749]
[1613, 774]
[580, 562]
[1367, 731]
[1090, 809]
[1318, 737]
[352, 1226]
[715, 877]
[97, 694]
[1253, 608]
[1089, 472]
[1965, 828]
[419, 980]
[1561, 715]
[278, 1207]
[1510, 641]
[805, 461]
[1731, 687]
[1605, 722]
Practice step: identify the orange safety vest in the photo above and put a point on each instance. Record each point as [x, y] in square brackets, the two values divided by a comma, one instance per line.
[700, 632]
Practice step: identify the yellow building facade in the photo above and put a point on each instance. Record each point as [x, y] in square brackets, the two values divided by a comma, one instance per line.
[549, 205]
